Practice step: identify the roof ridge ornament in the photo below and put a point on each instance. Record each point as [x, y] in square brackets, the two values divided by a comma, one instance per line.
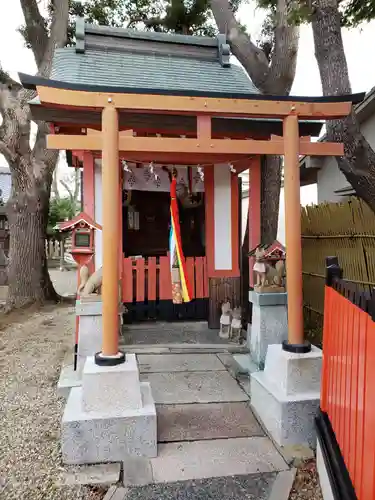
[80, 35]
[224, 50]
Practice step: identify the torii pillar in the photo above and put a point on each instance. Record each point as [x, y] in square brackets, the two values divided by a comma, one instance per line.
[110, 354]
[296, 342]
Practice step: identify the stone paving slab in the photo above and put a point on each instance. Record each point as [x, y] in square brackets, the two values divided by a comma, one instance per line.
[194, 387]
[103, 474]
[169, 333]
[178, 348]
[150, 363]
[192, 422]
[219, 457]
[246, 487]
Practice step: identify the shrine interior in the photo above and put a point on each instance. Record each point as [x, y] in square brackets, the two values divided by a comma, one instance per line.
[146, 213]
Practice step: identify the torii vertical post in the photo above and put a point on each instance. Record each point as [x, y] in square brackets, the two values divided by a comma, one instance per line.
[296, 342]
[110, 354]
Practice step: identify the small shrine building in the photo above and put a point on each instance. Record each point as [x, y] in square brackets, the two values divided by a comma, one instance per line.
[137, 110]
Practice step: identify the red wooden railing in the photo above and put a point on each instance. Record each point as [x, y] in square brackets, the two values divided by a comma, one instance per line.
[149, 279]
[348, 381]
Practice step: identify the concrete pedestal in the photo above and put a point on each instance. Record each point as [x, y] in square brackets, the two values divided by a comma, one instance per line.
[286, 395]
[269, 323]
[89, 310]
[111, 417]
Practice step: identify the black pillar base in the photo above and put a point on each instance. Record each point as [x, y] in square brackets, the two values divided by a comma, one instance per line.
[101, 360]
[297, 348]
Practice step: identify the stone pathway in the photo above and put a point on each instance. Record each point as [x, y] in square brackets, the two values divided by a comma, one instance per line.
[189, 332]
[210, 444]
[245, 487]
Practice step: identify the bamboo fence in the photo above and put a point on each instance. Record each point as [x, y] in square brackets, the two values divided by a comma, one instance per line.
[345, 230]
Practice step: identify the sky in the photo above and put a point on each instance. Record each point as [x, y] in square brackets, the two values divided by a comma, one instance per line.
[15, 57]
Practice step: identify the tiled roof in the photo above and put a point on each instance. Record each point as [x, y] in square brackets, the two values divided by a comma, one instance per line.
[99, 67]
[135, 59]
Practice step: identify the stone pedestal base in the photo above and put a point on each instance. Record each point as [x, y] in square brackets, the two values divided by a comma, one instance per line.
[89, 310]
[68, 379]
[286, 395]
[111, 417]
[269, 323]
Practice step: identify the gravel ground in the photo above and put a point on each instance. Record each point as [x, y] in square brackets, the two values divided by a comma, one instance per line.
[33, 347]
[306, 485]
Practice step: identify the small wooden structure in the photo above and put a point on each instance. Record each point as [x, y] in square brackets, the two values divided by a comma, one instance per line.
[124, 99]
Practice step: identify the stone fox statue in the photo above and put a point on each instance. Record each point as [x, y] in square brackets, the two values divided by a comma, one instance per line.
[90, 284]
[266, 274]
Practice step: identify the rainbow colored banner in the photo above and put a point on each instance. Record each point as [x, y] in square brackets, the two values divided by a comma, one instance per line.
[175, 249]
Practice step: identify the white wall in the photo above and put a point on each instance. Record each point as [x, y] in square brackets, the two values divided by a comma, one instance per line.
[330, 178]
[98, 214]
[222, 217]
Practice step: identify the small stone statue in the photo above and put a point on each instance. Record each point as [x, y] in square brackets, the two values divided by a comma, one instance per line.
[236, 325]
[260, 266]
[225, 320]
[269, 278]
[90, 285]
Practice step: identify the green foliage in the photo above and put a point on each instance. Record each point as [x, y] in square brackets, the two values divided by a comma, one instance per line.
[358, 11]
[60, 210]
[353, 12]
[177, 16]
[191, 17]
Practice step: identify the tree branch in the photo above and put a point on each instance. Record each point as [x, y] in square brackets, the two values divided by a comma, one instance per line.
[54, 186]
[66, 186]
[58, 36]
[36, 33]
[250, 56]
[277, 77]
[36, 29]
[13, 119]
[284, 56]
[77, 179]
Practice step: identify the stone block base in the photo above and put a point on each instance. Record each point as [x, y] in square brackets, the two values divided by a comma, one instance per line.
[90, 326]
[289, 420]
[269, 323]
[116, 387]
[108, 436]
[286, 395]
[68, 379]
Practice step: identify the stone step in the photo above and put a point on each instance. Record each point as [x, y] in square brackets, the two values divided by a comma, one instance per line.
[153, 363]
[194, 387]
[193, 422]
[246, 364]
[245, 487]
[181, 461]
[183, 348]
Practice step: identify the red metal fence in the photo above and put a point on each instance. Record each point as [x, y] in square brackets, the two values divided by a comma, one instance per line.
[147, 288]
[348, 380]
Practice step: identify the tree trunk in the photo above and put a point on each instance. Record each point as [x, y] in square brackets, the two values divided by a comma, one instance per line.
[27, 210]
[274, 76]
[358, 165]
[270, 197]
